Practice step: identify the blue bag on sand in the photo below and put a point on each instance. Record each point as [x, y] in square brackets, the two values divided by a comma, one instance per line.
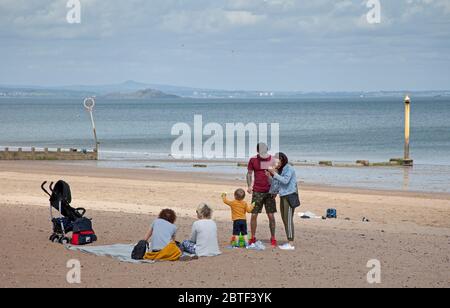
[331, 213]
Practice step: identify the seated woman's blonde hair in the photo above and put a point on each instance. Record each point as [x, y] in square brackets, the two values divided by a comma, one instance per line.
[204, 211]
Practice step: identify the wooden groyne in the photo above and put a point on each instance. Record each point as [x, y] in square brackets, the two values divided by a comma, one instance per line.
[46, 154]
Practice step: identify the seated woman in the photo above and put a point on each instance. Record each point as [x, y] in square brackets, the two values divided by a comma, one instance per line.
[162, 234]
[203, 241]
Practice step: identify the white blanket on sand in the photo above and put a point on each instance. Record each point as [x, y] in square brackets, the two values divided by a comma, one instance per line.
[121, 252]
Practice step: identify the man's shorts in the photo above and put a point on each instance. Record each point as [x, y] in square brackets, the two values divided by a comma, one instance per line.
[264, 200]
[240, 227]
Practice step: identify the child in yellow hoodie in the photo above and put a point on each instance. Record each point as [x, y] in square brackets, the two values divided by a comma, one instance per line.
[239, 210]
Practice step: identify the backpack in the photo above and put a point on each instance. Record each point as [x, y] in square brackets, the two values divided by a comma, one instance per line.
[82, 225]
[140, 250]
[83, 233]
[331, 213]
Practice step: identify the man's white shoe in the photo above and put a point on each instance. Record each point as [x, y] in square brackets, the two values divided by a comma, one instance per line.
[286, 247]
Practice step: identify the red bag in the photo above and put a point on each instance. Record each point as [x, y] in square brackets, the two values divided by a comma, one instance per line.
[83, 238]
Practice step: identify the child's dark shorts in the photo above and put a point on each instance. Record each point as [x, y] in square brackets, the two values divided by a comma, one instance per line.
[240, 227]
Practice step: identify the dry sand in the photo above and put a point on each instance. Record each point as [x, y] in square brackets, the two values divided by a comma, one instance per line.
[408, 232]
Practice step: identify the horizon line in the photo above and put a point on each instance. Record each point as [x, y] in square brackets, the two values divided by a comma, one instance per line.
[150, 84]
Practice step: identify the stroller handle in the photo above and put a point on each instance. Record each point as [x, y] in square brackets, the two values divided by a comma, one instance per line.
[45, 190]
[82, 210]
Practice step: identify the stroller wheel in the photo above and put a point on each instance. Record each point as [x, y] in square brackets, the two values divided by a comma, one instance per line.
[54, 238]
[64, 241]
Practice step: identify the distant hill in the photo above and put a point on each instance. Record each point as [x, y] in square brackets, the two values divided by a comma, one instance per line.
[131, 86]
[141, 95]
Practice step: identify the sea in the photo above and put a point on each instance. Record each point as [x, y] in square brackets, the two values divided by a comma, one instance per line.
[138, 134]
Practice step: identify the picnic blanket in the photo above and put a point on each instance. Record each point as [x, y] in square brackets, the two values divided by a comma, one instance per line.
[121, 252]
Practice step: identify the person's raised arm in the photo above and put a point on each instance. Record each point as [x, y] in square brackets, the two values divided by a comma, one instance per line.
[225, 199]
[269, 176]
[286, 176]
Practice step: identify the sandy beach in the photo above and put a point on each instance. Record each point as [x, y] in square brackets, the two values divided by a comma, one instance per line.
[408, 232]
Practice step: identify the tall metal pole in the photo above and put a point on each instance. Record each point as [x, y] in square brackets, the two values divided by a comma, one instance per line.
[407, 127]
[95, 131]
[89, 104]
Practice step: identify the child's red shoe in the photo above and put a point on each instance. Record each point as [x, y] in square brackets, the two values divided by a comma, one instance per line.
[252, 241]
[274, 243]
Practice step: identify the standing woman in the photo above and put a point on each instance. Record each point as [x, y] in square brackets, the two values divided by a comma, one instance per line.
[284, 183]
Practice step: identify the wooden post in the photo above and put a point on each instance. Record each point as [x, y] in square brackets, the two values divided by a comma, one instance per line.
[407, 127]
[406, 161]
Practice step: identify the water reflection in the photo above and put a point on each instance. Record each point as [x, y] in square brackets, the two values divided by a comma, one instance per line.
[406, 177]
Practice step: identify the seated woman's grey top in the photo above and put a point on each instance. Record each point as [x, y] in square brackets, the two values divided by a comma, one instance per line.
[204, 235]
[163, 233]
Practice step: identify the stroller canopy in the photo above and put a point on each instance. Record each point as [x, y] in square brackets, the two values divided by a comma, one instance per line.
[61, 192]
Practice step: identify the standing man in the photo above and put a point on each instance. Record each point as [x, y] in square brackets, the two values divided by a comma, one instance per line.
[260, 189]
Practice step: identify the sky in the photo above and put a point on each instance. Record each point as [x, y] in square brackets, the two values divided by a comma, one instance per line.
[289, 45]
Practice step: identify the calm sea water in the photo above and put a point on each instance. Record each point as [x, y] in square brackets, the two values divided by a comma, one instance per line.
[339, 129]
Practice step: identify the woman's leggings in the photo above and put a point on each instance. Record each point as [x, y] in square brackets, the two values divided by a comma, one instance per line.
[188, 247]
[287, 213]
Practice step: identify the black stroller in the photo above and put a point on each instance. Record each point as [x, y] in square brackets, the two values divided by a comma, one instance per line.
[60, 199]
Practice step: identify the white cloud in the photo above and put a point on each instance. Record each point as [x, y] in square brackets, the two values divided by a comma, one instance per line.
[243, 18]
[208, 20]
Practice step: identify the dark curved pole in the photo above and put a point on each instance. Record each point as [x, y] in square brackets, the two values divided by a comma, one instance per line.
[45, 190]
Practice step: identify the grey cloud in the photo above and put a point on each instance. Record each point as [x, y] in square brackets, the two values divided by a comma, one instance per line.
[275, 44]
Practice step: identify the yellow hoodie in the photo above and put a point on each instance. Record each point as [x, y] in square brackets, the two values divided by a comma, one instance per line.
[239, 209]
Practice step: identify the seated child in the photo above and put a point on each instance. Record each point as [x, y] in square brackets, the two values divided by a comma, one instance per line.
[203, 242]
[162, 234]
[239, 210]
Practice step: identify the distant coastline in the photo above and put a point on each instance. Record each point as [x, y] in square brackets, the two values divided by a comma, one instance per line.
[131, 90]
